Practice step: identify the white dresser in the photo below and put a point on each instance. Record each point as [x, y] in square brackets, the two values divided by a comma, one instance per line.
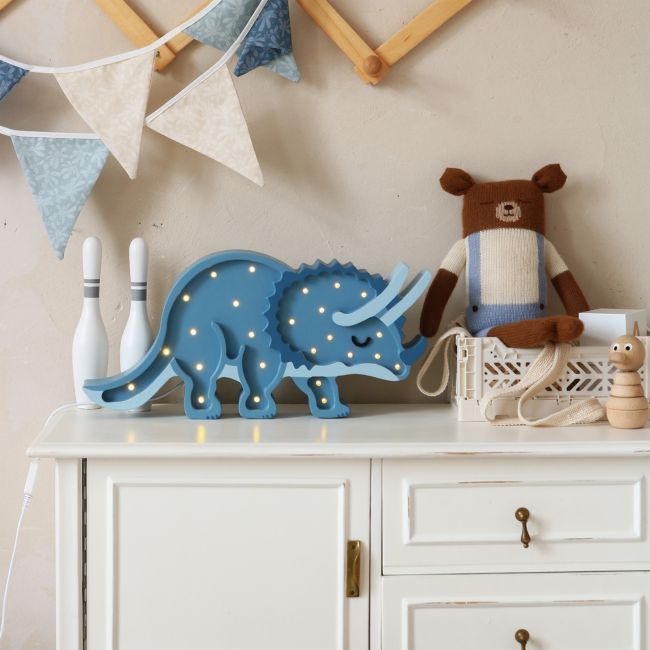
[398, 528]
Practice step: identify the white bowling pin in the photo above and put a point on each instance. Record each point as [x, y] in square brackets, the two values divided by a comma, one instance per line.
[137, 337]
[90, 343]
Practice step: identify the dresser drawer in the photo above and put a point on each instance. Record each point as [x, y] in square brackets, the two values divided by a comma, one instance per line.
[457, 515]
[566, 611]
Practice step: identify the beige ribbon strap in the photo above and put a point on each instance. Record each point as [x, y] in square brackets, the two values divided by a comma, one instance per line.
[444, 340]
[546, 369]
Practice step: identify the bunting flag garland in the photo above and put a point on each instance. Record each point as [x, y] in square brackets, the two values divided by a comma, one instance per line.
[268, 39]
[98, 95]
[220, 26]
[111, 95]
[10, 75]
[209, 120]
[60, 172]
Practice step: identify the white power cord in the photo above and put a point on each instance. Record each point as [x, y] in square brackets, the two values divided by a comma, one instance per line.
[27, 498]
[28, 491]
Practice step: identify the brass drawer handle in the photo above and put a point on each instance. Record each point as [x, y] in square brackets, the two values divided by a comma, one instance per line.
[353, 570]
[522, 515]
[522, 637]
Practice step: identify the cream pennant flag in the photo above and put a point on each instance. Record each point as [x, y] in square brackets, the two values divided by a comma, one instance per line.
[209, 120]
[112, 99]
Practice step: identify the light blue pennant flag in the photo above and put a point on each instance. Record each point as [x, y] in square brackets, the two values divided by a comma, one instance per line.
[222, 25]
[268, 40]
[10, 75]
[60, 172]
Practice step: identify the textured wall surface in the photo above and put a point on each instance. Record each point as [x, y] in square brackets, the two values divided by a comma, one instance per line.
[351, 172]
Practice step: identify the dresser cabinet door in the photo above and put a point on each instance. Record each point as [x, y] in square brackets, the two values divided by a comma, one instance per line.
[458, 515]
[484, 612]
[225, 555]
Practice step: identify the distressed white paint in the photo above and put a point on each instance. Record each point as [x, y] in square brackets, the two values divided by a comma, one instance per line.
[190, 554]
[577, 611]
[350, 173]
[458, 514]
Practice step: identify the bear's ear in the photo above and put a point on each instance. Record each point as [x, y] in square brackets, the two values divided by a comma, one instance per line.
[550, 178]
[456, 181]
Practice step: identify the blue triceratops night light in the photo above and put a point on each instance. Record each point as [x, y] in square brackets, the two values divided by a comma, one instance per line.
[252, 318]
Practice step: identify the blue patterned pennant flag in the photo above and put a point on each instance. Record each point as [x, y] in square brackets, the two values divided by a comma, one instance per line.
[10, 75]
[222, 25]
[60, 172]
[268, 39]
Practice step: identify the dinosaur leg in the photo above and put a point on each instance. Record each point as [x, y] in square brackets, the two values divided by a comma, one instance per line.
[323, 396]
[200, 371]
[260, 373]
[537, 331]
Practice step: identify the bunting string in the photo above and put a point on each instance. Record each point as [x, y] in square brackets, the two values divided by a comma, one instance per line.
[116, 58]
[227, 55]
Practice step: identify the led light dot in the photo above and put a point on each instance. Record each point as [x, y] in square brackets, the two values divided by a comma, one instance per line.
[379, 335]
[319, 382]
[262, 365]
[166, 352]
[200, 399]
[397, 366]
[213, 274]
[257, 399]
[199, 366]
[292, 321]
[186, 297]
[377, 355]
[193, 331]
[364, 294]
[131, 386]
[235, 303]
[305, 290]
[323, 400]
[330, 337]
[251, 269]
[251, 335]
[321, 310]
[350, 355]
[337, 285]
[313, 350]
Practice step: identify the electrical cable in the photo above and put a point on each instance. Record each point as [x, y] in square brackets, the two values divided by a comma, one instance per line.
[28, 491]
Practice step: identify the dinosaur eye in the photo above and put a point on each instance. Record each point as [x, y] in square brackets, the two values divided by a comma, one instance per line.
[628, 347]
[615, 347]
[361, 344]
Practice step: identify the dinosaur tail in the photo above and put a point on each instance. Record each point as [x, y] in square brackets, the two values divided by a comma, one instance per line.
[134, 387]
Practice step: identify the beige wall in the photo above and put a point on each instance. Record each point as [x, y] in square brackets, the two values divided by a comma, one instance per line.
[350, 172]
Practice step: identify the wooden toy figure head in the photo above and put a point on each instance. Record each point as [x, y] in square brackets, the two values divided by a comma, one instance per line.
[503, 204]
[627, 352]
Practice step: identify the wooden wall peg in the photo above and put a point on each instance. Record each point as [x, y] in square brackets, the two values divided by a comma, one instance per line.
[346, 38]
[373, 65]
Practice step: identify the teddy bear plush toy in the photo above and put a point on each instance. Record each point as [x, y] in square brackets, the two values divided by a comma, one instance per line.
[507, 258]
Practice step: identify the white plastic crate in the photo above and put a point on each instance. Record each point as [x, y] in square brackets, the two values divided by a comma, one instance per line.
[486, 363]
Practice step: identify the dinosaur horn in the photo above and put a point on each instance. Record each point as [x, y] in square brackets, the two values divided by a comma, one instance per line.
[379, 302]
[412, 292]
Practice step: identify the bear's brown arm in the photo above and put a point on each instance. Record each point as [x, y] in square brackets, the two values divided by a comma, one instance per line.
[570, 293]
[436, 301]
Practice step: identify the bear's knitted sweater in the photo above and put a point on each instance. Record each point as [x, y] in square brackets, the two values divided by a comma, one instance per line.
[505, 274]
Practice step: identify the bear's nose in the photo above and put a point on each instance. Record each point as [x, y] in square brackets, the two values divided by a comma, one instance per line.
[509, 206]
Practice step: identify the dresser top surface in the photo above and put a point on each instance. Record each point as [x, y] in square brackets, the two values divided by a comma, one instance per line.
[371, 431]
